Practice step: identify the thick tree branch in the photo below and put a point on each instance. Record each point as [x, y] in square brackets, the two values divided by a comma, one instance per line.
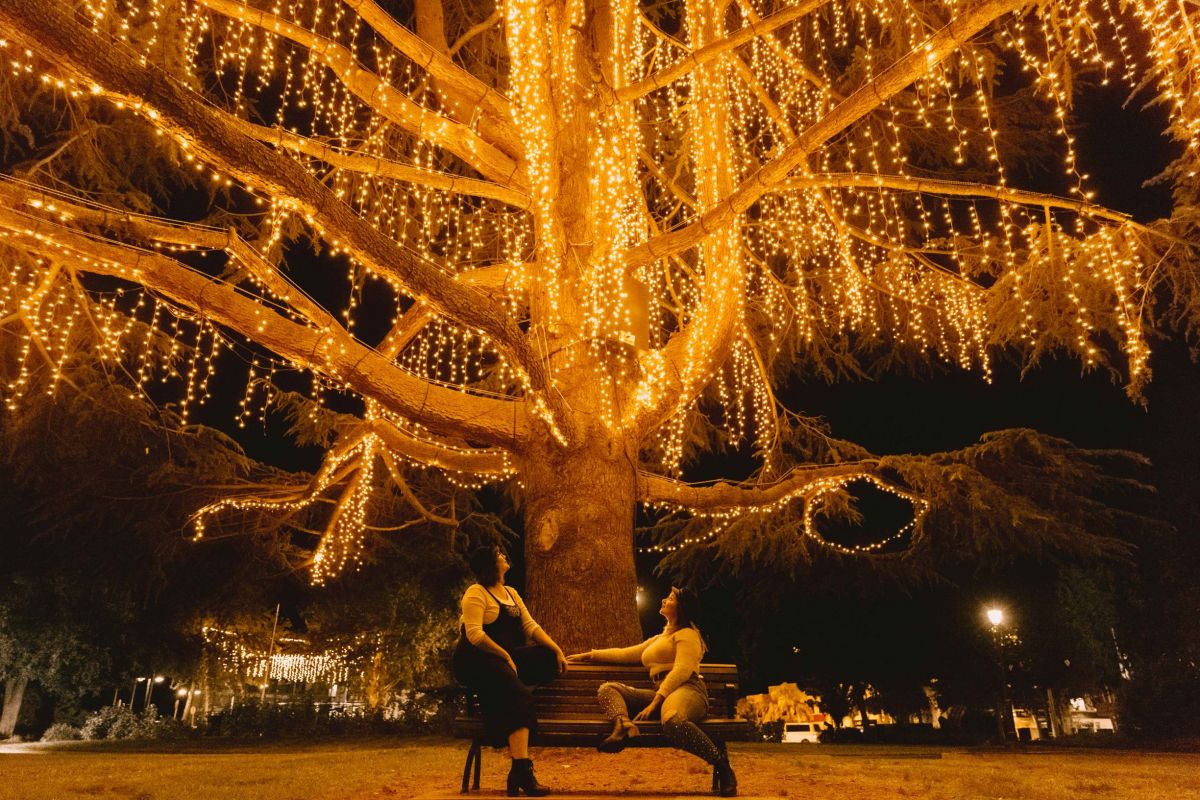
[908, 183]
[385, 168]
[878, 90]
[53, 33]
[41, 202]
[413, 321]
[467, 91]
[382, 97]
[724, 496]
[704, 55]
[474, 461]
[332, 352]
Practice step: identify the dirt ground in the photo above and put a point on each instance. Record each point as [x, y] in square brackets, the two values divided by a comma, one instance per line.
[432, 768]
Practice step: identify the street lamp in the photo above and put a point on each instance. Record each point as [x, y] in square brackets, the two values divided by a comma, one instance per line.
[150, 689]
[995, 617]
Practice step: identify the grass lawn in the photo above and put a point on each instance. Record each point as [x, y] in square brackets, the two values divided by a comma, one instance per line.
[415, 767]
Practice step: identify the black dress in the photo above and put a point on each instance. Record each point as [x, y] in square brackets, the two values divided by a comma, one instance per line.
[505, 698]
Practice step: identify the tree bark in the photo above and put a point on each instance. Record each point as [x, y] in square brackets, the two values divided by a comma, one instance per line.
[14, 695]
[581, 579]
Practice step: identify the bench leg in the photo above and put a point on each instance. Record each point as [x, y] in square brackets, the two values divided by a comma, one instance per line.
[724, 754]
[473, 756]
[478, 764]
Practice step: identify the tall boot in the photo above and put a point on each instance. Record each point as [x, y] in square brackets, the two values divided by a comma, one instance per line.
[726, 780]
[522, 779]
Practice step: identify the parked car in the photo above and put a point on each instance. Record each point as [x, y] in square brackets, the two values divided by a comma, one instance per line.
[802, 732]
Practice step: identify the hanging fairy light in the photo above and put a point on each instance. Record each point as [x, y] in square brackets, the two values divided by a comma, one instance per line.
[622, 193]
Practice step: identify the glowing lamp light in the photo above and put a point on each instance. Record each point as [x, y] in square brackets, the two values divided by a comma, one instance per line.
[995, 616]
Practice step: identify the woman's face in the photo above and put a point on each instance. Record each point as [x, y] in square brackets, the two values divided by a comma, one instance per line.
[501, 563]
[669, 605]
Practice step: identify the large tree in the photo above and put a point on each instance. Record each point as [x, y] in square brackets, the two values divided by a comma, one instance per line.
[603, 232]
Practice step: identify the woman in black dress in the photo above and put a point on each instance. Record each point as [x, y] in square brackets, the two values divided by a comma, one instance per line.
[494, 658]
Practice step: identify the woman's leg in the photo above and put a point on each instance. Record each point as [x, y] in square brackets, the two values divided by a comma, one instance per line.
[620, 701]
[507, 703]
[518, 743]
[682, 709]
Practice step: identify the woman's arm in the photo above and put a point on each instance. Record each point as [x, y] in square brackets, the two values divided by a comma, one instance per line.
[541, 637]
[537, 633]
[474, 603]
[614, 655]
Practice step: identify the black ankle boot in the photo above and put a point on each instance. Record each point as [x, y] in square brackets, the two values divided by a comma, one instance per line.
[726, 780]
[522, 779]
[615, 742]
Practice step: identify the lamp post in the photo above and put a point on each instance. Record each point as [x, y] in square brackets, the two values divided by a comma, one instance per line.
[150, 684]
[133, 693]
[1004, 716]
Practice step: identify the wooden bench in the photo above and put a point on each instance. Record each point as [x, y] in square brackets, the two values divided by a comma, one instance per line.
[569, 715]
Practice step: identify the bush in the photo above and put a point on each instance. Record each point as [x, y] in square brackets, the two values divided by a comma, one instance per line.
[425, 711]
[98, 724]
[841, 736]
[768, 731]
[119, 722]
[413, 711]
[901, 735]
[251, 719]
[62, 732]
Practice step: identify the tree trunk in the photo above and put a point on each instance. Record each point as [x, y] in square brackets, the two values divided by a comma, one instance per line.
[14, 695]
[580, 574]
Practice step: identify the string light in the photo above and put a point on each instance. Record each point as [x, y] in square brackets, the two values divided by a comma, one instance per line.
[587, 173]
[812, 494]
[334, 665]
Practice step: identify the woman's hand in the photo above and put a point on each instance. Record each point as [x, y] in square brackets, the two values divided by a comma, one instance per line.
[649, 710]
[579, 658]
[511, 664]
[562, 661]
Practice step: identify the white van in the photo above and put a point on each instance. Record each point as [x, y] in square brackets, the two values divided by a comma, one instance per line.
[802, 732]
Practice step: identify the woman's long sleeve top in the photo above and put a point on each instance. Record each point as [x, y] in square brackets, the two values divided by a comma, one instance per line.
[479, 608]
[674, 657]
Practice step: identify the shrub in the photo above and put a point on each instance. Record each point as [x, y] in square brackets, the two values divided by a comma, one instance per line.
[62, 732]
[768, 731]
[841, 736]
[98, 724]
[113, 722]
[412, 711]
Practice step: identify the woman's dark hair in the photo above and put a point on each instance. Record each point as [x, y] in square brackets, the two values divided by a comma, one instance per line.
[483, 564]
[687, 607]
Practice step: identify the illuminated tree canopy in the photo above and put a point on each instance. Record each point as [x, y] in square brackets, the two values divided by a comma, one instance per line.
[605, 234]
